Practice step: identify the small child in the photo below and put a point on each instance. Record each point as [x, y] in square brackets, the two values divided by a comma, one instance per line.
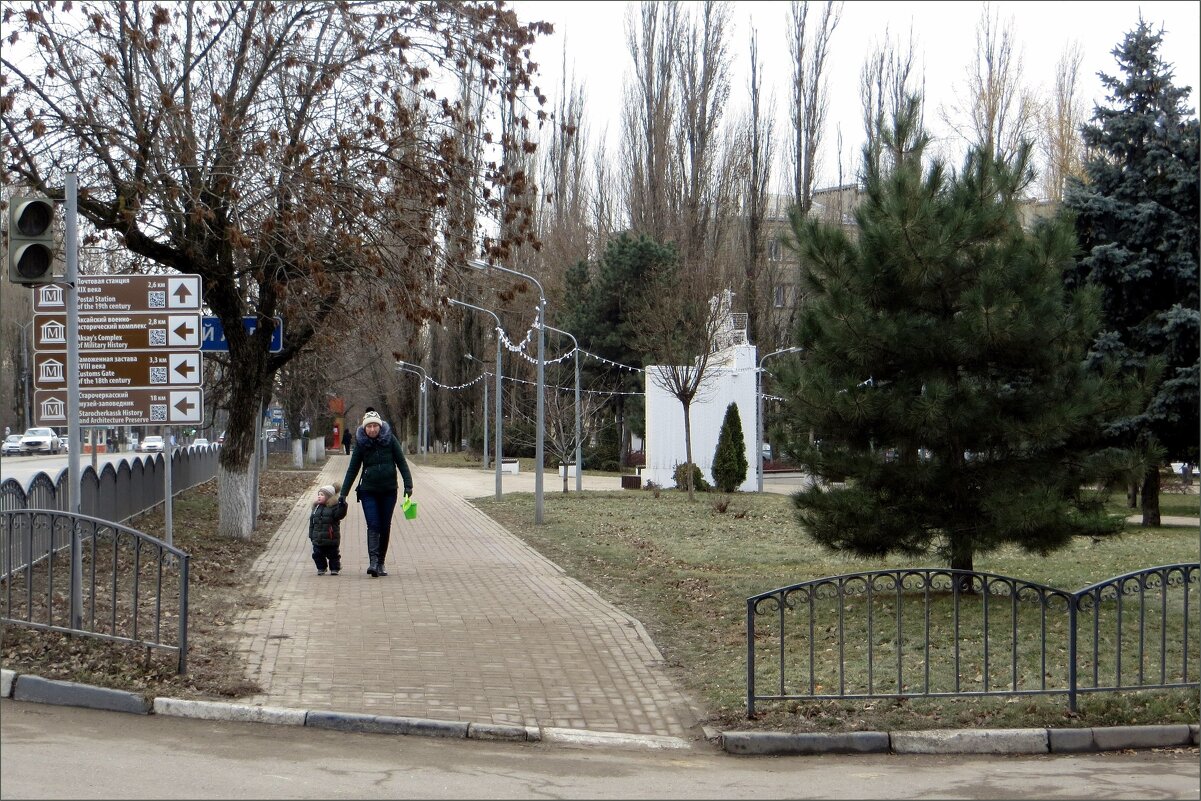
[325, 531]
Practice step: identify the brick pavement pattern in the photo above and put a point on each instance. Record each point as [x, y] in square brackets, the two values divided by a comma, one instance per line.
[470, 625]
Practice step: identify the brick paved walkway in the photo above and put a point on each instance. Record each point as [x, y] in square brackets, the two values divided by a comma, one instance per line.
[470, 625]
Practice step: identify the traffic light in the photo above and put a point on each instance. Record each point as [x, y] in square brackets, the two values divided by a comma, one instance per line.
[31, 246]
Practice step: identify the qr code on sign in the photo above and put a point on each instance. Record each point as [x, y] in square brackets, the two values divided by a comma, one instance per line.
[157, 299]
[158, 336]
[158, 375]
[158, 412]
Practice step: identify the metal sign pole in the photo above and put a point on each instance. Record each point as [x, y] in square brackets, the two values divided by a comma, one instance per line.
[71, 248]
[168, 490]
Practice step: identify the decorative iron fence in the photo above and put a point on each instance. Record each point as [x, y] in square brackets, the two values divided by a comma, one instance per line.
[116, 493]
[928, 632]
[134, 587]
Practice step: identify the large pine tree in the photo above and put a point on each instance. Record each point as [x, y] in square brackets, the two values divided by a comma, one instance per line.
[1137, 221]
[602, 305]
[943, 375]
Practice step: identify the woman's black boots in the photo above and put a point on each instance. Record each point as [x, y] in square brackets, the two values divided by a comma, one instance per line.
[373, 568]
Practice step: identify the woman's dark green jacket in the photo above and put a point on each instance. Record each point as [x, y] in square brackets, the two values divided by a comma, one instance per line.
[379, 459]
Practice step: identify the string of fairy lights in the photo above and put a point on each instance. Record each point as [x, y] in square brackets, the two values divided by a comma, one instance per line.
[519, 348]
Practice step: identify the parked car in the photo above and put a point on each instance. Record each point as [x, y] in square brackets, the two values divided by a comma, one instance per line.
[151, 444]
[201, 442]
[12, 445]
[40, 440]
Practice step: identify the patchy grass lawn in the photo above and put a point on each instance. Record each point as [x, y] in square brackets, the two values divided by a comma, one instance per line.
[686, 569]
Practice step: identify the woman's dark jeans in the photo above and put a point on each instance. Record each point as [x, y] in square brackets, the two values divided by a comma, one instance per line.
[378, 508]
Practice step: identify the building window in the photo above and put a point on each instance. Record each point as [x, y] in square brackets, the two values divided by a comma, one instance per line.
[773, 249]
[779, 297]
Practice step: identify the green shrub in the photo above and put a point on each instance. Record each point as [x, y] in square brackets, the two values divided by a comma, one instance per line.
[729, 460]
[698, 478]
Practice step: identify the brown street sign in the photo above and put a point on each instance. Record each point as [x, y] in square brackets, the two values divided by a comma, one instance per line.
[121, 407]
[108, 370]
[119, 332]
[108, 294]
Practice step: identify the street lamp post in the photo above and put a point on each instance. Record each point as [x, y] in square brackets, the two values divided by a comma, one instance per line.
[496, 450]
[423, 412]
[471, 358]
[579, 455]
[759, 399]
[541, 404]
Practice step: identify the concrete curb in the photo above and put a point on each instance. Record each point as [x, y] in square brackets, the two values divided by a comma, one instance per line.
[772, 743]
[971, 741]
[654, 742]
[68, 693]
[216, 710]
[35, 689]
[383, 724]
[964, 741]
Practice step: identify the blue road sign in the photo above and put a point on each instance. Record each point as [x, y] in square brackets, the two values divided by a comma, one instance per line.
[214, 335]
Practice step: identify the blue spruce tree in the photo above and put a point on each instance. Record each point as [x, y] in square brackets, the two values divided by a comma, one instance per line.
[1137, 222]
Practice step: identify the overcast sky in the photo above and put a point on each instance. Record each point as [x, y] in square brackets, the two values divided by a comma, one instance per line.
[944, 33]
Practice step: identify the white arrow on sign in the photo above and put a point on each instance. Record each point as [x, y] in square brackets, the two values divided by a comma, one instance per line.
[183, 330]
[184, 368]
[183, 292]
[185, 406]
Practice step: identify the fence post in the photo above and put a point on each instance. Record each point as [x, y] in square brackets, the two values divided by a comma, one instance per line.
[183, 614]
[1075, 600]
[750, 658]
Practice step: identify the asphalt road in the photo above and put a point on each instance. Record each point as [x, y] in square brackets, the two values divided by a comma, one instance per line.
[70, 752]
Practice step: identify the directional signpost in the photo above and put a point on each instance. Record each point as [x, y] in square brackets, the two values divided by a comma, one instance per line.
[108, 333]
[139, 339]
[123, 407]
[121, 370]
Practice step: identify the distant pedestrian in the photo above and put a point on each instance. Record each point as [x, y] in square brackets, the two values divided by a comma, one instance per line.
[347, 441]
[377, 452]
[1186, 474]
[325, 530]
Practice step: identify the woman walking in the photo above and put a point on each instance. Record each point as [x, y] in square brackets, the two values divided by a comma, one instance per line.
[377, 452]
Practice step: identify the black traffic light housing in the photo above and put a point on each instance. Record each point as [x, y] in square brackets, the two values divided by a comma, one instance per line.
[31, 245]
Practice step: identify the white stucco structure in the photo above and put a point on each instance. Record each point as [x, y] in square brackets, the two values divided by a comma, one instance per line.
[730, 378]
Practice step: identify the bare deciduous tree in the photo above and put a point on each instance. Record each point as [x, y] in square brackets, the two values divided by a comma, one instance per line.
[808, 101]
[703, 72]
[997, 111]
[562, 219]
[758, 145]
[885, 81]
[282, 151]
[680, 328]
[649, 113]
[1062, 116]
[559, 415]
[605, 199]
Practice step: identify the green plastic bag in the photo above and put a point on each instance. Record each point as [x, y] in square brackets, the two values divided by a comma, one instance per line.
[409, 507]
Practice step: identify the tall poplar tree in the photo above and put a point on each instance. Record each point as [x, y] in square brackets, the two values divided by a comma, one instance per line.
[944, 366]
[1137, 221]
